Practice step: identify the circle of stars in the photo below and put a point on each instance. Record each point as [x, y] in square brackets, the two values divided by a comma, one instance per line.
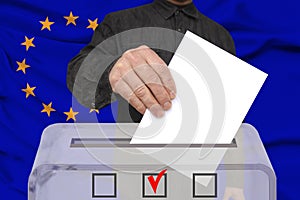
[22, 66]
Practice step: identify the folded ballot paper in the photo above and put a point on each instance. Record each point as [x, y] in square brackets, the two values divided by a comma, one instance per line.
[215, 90]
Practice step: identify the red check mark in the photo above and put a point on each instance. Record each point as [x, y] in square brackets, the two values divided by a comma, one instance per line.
[154, 183]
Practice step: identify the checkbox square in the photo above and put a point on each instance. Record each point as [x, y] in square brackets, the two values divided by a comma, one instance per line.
[104, 185]
[147, 190]
[201, 191]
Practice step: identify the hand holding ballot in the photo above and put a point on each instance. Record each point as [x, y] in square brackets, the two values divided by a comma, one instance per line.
[142, 78]
[219, 90]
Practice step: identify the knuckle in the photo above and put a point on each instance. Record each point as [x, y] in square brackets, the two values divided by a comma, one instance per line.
[144, 47]
[132, 100]
[129, 54]
[141, 109]
[123, 71]
[113, 79]
[141, 91]
[162, 96]
[136, 104]
[131, 57]
[118, 65]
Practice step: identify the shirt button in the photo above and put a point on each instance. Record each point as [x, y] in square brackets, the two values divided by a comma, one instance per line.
[179, 29]
[176, 12]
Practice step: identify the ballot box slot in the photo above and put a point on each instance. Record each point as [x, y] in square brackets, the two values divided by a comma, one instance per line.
[125, 143]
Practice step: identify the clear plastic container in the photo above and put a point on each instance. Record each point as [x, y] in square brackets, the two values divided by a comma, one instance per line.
[96, 161]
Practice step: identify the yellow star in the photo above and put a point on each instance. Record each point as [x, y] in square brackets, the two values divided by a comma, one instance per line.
[48, 108]
[94, 110]
[46, 24]
[29, 90]
[28, 43]
[71, 19]
[93, 24]
[71, 114]
[22, 66]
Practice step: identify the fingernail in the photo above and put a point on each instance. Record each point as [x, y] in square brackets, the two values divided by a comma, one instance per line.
[172, 95]
[157, 111]
[167, 105]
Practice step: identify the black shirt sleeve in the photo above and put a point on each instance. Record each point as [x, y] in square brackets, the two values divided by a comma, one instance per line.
[104, 92]
[94, 93]
[229, 45]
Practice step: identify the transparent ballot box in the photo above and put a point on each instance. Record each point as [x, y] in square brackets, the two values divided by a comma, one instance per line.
[97, 161]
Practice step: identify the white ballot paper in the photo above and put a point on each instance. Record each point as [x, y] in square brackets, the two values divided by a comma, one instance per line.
[215, 90]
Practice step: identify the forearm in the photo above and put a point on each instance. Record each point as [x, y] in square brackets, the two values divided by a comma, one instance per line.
[87, 75]
[81, 90]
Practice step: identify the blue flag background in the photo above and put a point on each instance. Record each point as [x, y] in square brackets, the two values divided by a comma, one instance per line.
[266, 34]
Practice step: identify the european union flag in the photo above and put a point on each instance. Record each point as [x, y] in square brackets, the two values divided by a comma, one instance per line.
[38, 38]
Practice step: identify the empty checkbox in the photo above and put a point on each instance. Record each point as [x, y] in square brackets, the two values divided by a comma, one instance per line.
[202, 191]
[104, 185]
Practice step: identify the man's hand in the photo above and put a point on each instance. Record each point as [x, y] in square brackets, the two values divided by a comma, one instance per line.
[144, 80]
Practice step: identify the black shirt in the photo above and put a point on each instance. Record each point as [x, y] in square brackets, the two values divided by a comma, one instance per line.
[160, 13]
